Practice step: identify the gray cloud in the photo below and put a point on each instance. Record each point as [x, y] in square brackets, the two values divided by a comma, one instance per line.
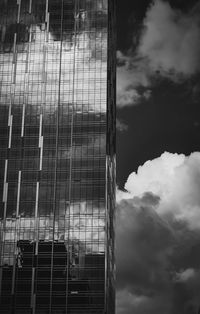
[169, 47]
[121, 126]
[158, 239]
[132, 74]
[129, 303]
[171, 39]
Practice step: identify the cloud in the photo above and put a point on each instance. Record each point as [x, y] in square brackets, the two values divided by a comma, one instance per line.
[129, 303]
[128, 97]
[185, 275]
[131, 74]
[81, 83]
[171, 39]
[158, 237]
[169, 47]
[147, 94]
[121, 126]
[164, 176]
[85, 215]
[43, 83]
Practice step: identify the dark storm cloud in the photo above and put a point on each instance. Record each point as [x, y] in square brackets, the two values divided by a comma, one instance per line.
[146, 232]
[158, 232]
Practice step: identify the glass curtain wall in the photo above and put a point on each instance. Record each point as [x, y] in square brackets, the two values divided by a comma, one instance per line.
[57, 157]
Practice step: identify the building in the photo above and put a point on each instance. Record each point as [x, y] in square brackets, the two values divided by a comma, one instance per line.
[57, 162]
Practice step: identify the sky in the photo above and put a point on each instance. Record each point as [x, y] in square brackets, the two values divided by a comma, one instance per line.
[158, 157]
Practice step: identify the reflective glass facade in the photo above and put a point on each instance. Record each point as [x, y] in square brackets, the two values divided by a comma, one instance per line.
[57, 157]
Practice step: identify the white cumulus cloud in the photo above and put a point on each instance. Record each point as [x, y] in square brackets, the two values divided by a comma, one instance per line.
[158, 237]
[176, 180]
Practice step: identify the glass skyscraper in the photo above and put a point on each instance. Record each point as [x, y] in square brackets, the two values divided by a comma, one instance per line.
[57, 156]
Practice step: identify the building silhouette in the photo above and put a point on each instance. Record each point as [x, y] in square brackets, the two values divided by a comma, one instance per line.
[57, 158]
